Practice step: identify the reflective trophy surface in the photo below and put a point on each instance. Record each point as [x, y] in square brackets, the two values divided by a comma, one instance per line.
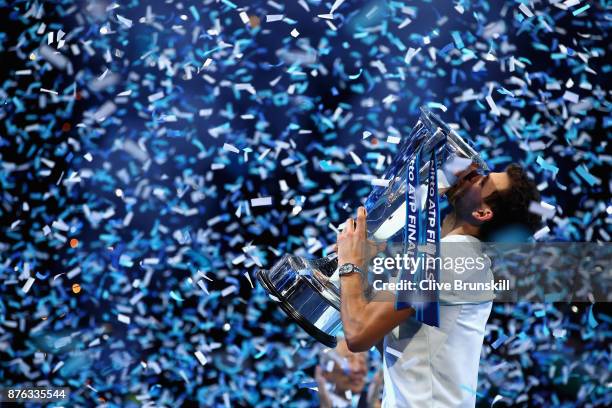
[308, 290]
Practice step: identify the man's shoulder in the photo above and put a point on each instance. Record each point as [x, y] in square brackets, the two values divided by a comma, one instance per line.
[460, 238]
[460, 246]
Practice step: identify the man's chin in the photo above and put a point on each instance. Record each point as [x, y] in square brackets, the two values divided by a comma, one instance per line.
[357, 386]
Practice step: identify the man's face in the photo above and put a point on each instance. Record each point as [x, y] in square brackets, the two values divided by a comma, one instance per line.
[468, 195]
[353, 378]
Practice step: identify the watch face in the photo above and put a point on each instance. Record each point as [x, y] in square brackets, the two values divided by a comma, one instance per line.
[346, 268]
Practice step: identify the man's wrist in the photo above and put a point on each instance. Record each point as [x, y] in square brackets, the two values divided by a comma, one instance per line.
[349, 269]
[357, 262]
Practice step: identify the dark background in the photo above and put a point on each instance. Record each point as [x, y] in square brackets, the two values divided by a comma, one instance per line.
[261, 359]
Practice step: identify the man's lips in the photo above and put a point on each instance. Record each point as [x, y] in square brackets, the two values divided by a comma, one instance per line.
[356, 380]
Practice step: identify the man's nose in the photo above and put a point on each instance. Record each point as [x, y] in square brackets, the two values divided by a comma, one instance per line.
[477, 179]
[461, 174]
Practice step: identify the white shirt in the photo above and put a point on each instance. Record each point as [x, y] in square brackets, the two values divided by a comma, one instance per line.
[337, 401]
[427, 366]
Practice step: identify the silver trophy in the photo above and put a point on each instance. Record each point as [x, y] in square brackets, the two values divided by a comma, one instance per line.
[308, 290]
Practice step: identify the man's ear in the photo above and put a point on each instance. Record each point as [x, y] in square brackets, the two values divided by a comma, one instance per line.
[483, 214]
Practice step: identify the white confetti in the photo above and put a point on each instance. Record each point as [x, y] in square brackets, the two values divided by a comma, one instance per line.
[355, 158]
[571, 97]
[244, 17]
[246, 274]
[274, 17]
[105, 111]
[229, 290]
[525, 10]
[58, 366]
[262, 201]
[28, 284]
[283, 185]
[541, 233]
[155, 97]
[230, 148]
[125, 21]
[201, 357]
[410, 54]
[380, 182]
[123, 318]
[494, 110]
[542, 208]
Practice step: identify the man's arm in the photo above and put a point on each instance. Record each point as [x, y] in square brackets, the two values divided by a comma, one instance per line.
[373, 394]
[365, 323]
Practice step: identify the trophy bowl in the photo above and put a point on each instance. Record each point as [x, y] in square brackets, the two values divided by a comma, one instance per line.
[305, 293]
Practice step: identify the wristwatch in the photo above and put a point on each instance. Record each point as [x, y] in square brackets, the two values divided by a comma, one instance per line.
[347, 269]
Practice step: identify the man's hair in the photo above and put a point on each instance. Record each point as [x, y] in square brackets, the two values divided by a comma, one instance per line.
[511, 206]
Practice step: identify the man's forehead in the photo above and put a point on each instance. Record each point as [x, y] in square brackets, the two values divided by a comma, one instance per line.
[498, 181]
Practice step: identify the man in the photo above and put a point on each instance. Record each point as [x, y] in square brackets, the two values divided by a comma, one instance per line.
[341, 379]
[427, 366]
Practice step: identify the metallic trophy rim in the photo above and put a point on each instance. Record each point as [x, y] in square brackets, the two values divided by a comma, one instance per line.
[326, 339]
[452, 136]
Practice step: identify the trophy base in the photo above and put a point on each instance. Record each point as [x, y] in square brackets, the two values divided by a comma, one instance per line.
[312, 330]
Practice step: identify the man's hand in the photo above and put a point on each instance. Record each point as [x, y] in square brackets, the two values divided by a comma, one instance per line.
[372, 249]
[352, 241]
[324, 400]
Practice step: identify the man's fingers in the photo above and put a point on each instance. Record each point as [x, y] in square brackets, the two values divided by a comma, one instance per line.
[361, 221]
[318, 372]
[349, 225]
[469, 168]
